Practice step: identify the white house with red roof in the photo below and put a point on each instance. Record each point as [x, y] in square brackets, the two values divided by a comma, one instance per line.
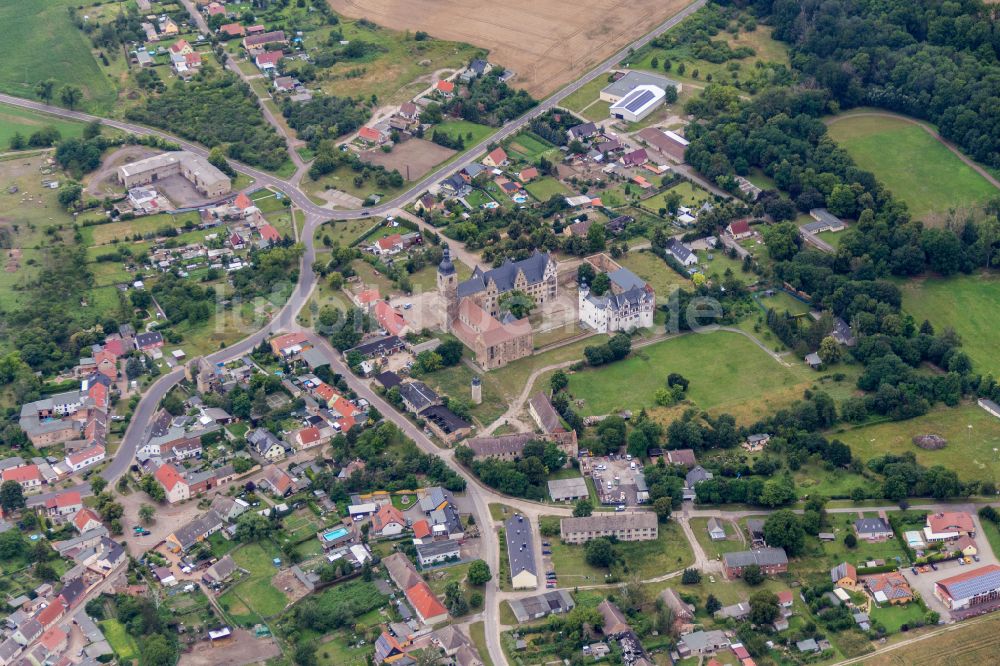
[445, 88]
[28, 476]
[181, 47]
[307, 438]
[496, 158]
[388, 521]
[85, 520]
[63, 504]
[290, 344]
[949, 525]
[268, 60]
[269, 233]
[390, 319]
[176, 488]
[740, 229]
[84, 458]
[388, 245]
[371, 135]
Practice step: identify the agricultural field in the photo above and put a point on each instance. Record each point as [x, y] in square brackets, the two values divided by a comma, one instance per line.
[972, 642]
[973, 435]
[586, 96]
[727, 371]
[964, 303]
[912, 164]
[546, 44]
[29, 29]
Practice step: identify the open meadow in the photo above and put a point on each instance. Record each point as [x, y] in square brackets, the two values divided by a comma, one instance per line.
[728, 372]
[973, 435]
[965, 303]
[547, 44]
[15, 120]
[42, 43]
[912, 164]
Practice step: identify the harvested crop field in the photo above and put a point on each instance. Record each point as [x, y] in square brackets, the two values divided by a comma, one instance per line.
[548, 44]
[412, 158]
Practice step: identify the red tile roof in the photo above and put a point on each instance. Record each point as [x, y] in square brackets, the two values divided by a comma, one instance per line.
[63, 500]
[53, 639]
[287, 341]
[389, 318]
[242, 201]
[389, 241]
[325, 391]
[421, 529]
[84, 516]
[424, 601]
[193, 58]
[269, 58]
[269, 233]
[785, 597]
[309, 435]
[51, 613]
[445, 86]
[22, 474]
[116, 347]
[951, 521]
[498, 155]
[739, 227]
[233, 29]
[528, 174]
[179, 45]
[740, 651]
[168, 476]
[385, 515]
[370, 134]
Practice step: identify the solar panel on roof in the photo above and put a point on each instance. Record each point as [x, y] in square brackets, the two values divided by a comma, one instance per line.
[639, 100]
[989, 580]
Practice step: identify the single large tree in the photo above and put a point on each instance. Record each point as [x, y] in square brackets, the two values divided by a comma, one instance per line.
[11, 496]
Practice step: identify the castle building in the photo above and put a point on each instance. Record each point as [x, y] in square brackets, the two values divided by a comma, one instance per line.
[628, 304]
[472, 308]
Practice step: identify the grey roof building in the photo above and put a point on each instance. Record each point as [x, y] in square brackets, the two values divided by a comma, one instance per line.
[533, 608]
[418, 396]
[567, 490]
[520, 552]
[633, 80]
[505, 275]
[437, 551]
[544, 413]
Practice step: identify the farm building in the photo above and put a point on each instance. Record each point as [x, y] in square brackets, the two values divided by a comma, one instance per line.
[631, 80]
[206, 178]
[638, 104]
[970, 588]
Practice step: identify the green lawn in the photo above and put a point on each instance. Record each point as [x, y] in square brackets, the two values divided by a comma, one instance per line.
[912, 164]
[971, 451]
[464, 128]
[691, 196]
[543, 188]
[477, 632]
[893, 617]
[529, 145]
[338, 652]
[121, 642]
[965, 303]
[725, 370]
[254, 597]
[456, 382]
[42, 43]
[715, 549]
[586, 95]
[655, 271]
[15, 119]
[783, 302]
[669, 552]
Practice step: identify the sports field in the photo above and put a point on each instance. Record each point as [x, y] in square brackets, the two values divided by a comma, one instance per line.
[966, 303]
[41, 43]
[726, 371]
[912, 164]
[973, 435]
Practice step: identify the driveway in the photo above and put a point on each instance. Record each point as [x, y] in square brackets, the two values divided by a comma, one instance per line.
[924, 582]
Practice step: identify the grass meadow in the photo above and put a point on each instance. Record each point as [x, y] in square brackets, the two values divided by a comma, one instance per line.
[966, 303]
[973, 435]
[912, 164]
[42, 43]
[725, 370]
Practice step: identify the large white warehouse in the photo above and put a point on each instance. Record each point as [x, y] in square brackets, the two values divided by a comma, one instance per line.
[638, 104]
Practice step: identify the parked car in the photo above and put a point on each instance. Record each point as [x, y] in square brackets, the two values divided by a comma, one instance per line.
[620, 507]
[913, 570]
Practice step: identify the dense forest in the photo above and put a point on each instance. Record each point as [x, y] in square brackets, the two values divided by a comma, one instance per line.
[939, 61]
[216, 109]
[325, 117]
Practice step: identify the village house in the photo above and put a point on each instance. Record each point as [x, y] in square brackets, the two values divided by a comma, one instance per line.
[631, 526]
[64, 504]
[949, 525]
[873, 529]
[770, 560]
[891, 588]
[844, 575]
[388, 521]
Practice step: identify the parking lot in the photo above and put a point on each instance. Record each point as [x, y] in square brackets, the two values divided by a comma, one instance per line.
[618, 479]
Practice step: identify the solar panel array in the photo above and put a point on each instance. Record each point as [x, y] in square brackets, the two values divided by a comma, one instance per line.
[988, 580]
[639, 100]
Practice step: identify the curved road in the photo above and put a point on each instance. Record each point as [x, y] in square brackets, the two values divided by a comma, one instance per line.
[285, 318]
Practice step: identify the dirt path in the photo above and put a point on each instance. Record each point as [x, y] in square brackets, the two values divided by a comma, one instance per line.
[930, 130]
